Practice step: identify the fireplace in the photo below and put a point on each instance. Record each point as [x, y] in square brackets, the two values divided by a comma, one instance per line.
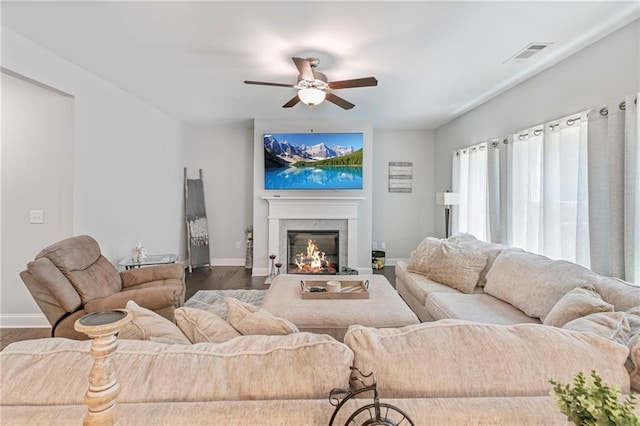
[313, 251]
[322, 213]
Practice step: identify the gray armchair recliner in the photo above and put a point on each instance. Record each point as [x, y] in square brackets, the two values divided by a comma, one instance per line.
[72, 278]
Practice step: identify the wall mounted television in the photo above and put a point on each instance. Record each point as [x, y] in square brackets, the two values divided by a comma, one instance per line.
[313, 161]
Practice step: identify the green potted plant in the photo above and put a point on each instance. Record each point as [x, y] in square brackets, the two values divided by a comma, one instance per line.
[593, 403]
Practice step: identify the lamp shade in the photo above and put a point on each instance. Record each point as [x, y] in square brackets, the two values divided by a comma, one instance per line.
[311, 96]
[447, 198]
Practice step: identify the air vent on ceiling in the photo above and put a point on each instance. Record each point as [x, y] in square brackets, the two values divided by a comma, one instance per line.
[527, 52]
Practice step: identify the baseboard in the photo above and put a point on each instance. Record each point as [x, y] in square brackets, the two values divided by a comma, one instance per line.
[392, 261]
[228, 262]
[260, 272]
[23, 321]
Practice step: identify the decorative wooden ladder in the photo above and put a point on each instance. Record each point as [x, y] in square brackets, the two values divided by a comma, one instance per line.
[197, 225]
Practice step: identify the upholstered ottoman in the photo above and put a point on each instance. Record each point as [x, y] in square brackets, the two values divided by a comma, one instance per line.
[383, 308]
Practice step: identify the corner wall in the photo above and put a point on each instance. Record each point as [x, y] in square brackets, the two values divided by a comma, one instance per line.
[127, 166]
[402, 220]
[606, 70]
[37, 174]
[225, 155]
[224, 151]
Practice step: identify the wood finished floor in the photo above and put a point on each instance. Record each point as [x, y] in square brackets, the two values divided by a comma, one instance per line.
[216, 278]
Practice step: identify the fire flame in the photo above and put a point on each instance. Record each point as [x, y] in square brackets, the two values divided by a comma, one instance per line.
[313, 260]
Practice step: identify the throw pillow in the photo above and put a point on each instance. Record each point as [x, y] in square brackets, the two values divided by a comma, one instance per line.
[459, 237]
[448, 264]
[458, 268]
[534, 283]
[423, 256]
[202, 326]
[147, 325]
[610, 325]
[633, 316]
[250, 319]
[579, 302]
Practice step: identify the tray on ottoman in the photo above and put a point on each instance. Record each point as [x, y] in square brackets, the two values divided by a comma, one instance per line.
[349, 289]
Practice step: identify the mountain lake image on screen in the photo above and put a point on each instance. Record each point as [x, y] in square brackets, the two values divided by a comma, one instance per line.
[313, 160]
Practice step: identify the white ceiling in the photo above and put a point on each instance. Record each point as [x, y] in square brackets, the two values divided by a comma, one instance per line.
[433, 60]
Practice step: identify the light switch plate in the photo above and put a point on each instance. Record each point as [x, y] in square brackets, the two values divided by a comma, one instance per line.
[36, 216]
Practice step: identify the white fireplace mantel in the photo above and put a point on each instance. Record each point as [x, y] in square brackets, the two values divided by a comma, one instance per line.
[314, 208]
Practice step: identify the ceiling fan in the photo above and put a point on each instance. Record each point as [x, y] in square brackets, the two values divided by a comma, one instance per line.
[313, 87]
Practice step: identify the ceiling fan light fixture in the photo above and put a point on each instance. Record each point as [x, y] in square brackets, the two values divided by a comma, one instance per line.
[311, 96]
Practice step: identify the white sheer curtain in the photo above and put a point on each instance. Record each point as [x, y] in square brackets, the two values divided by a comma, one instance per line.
[614, 183]
[568, 189]
[470, 171]
[566, 200]
[547, 193]
[524, 190]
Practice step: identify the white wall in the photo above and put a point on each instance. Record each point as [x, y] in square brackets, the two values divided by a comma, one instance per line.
[260, 206]
[127, 159]
[37, 174]
[402, 220]
[608, 69]
[225, 155]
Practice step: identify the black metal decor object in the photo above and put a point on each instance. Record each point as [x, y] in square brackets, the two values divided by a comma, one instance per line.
[374, 414]
[447, 221]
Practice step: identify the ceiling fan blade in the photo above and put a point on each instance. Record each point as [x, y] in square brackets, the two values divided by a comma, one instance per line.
[293, 102]
[356, 82]
[263, 83]
[304, 68]
[342, 103]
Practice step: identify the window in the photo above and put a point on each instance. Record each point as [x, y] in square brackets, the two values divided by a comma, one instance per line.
[529, 191]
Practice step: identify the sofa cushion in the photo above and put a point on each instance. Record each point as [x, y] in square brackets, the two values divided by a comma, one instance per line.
[448, 264]
[422, 256]
[442, 360]
[147, 325]
[633, 317]
[610, 325]
[295, 366]
[481, 308]
[490, 250]
[250, 319]
[202, 326]
[619, 293]
[579, 302]
[420, 286]
[534, 283]
[459, 237]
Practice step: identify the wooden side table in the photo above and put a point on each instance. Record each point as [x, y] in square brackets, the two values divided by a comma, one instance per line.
[100, 398]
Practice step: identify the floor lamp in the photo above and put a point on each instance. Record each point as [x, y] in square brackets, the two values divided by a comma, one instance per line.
[447, 199]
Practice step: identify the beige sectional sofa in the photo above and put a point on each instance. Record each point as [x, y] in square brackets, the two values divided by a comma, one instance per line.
[512, 287]
[486, 361]
[463, 278]
[446, 373]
